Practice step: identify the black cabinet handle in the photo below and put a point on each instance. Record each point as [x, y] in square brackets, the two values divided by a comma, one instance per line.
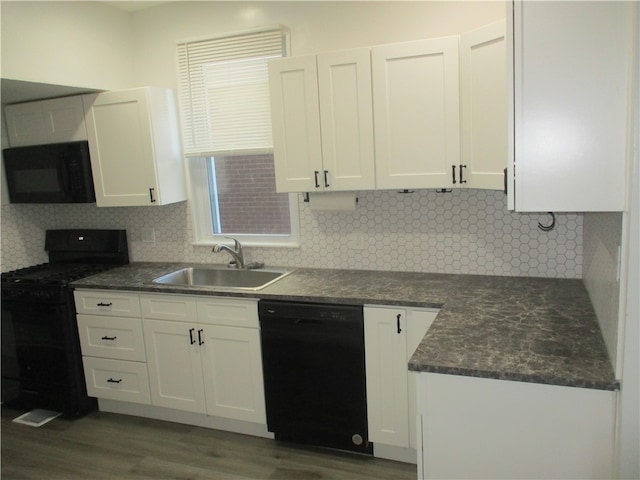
[461, 180]
[104, 304]
[200, 340]
[111, 380]
[326, 182]
[151, 190]
[453, 174]
[505, 181]
[398, 322]
[315, 174]
[191, 339]
[108, 338]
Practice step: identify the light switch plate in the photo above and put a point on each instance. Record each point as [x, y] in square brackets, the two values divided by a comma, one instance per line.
[148, 235]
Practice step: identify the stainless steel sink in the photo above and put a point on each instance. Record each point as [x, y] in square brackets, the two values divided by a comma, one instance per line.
[222, 278]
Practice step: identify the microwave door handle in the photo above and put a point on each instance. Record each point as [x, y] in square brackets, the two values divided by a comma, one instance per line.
[63, 178]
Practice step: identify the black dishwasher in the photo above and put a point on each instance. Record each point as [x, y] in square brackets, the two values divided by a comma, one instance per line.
[314, 374]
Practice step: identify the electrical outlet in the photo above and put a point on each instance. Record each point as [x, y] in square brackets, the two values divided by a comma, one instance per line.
[149, 235]
[356, 240]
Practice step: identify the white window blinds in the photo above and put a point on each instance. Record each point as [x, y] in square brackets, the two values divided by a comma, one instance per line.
[224, 92]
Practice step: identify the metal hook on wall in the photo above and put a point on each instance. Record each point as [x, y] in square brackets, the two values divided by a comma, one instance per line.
[551, 226]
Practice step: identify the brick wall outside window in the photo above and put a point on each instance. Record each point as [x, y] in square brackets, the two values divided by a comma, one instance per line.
[247, 196]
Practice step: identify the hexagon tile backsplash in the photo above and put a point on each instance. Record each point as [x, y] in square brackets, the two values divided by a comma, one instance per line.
[464, 231]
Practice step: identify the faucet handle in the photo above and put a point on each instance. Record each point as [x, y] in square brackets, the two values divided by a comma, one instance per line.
[236, 244]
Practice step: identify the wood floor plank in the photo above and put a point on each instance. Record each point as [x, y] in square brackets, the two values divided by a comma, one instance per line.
[104, 446]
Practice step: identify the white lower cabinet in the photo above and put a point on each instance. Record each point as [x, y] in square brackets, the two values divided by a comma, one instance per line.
[203, 355]
[195, 354]
[391, 336]
[486, 428]
[232, 367]
[112, 344]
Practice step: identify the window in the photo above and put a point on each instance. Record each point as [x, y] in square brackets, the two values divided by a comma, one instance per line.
[226, 121]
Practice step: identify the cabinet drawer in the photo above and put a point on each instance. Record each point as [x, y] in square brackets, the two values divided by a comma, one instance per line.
[179, 308]
[117, 379]
[111, 337]
[234, 313]
[112, 303]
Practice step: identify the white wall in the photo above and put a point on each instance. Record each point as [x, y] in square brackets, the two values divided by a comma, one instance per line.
[82, 44]
[315, 26]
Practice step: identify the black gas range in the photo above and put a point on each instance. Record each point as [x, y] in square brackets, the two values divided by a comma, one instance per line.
[41, 358]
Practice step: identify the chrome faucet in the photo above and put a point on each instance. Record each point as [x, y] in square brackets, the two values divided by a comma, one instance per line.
[235, 252]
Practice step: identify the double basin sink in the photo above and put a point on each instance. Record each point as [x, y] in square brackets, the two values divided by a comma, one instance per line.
[222, 278]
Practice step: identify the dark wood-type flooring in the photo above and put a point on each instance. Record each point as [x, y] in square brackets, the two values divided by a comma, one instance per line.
[110, 446]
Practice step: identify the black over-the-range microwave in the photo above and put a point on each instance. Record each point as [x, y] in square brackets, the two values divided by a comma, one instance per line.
[53, 173]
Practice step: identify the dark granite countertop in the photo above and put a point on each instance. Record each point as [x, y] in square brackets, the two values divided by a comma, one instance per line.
[540, 330]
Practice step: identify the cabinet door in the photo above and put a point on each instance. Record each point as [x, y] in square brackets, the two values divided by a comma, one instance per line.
[122, 153]
[385, 341]
[25, 124]
[483, 107]
[571, 97]
[232, 366]
[346, 120]
[293, 86]
[175, 369]
[56, 120]
[64, 120]
[416, 113]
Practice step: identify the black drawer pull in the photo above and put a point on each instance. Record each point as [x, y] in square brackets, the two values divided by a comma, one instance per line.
[453, 174]
[109, 338]
[315, 175]
[111, 380]
[398, 322]
[326, 180]
[101, 304]
[191, 339]
[200, 340]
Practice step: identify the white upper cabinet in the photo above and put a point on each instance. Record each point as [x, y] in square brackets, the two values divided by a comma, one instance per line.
[295, 113]
[570, 133]
[56, 120]
[416, 113]
[483, 108]
[346, 119]
[322, 122]
[134, 146]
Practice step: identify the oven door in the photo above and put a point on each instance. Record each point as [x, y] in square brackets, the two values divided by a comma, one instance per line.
[48, 362]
